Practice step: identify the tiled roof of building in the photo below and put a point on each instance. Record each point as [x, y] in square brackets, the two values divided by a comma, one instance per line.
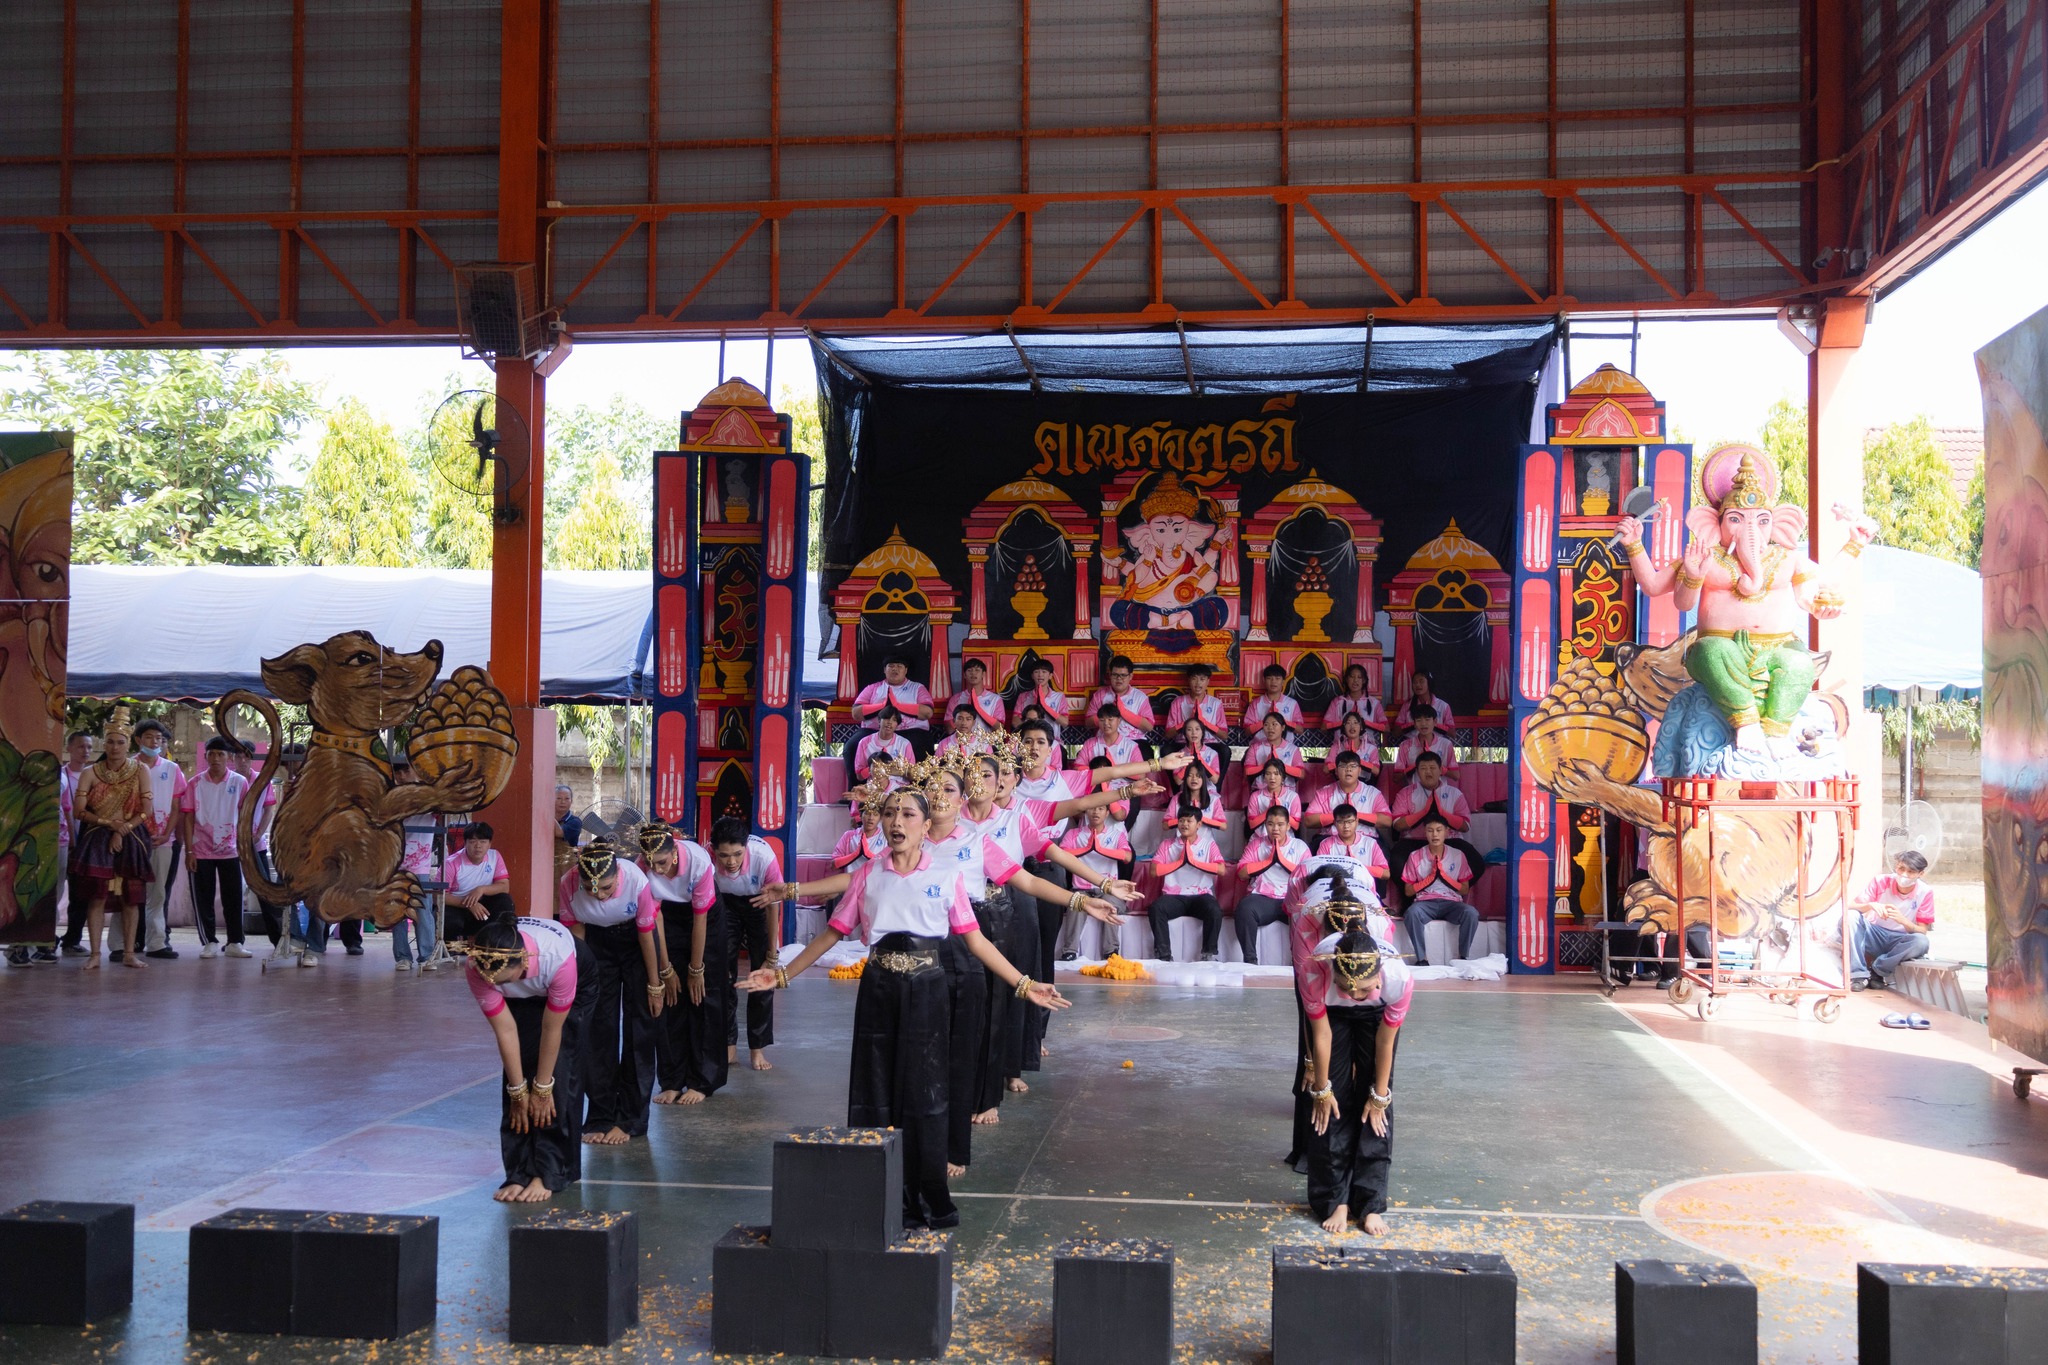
[1962, 447]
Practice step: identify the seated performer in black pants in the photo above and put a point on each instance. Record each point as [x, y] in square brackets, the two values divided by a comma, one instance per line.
[537, 985]
[1355, 999]
[1188, 864]
[1438, 880]
[1272, 860]
[606, 902]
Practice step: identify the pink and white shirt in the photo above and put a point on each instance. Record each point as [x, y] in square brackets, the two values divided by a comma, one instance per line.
[1367, 708]
[1317, 983]
[1288, 707]
[1209, 759]
[466, 875]
[872, 746]
[1125, 750]
[979, 860]
[1919, 900]
[213, 807]
[691, 884]
[167, 786]
[1287, 751]
[973, 744]
[906, 697]
[855, 848]
[631, 900]
[1047, 699]
[1412, 749]
[1105, 851]
[550, 971]
[761, 868]
[1416, 800]
[1272, 869]
[1363, 849]
[929, 902]
[1054, 786]
[1263, 801]
[1188, 868]
[1436, 704]
[1134, 706]
[1364, 798]
[1429, 878]
[1210, 711]
[988, 708]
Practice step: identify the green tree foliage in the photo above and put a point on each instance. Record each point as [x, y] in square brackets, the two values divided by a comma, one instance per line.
[605, 529]
[1907, 490]
[361, 496]
[807, 434]
[1973, 514]
[622, 433]
[1784, 440]
[455, 531]
[176, 451]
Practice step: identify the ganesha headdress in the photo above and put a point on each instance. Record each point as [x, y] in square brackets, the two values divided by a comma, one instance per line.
[1739, 476]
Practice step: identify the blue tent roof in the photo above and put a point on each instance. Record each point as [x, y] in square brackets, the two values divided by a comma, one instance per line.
[1923, 629]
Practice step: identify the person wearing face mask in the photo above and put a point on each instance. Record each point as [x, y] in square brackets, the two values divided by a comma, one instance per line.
[1890, 921]
[169, 831]
[1356, 999]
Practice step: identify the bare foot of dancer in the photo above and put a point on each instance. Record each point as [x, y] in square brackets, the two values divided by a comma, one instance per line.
[610, 1137]
[1043, 1052]
[732, 1054]
[131, 958]
[954, 1172]
[1339, 1219]
[509, 1192]
[1374, 1225]
[666, 1096]
[535, 1193]
[761, 1062]
[692, 1097]
[987, 1116]
[1016, 1086]
[92, 964]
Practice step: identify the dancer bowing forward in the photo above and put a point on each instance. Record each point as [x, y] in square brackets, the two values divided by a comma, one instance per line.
[689, 1037]
[608, 903]
[1356, 999]
[906, 905]
[537, 984]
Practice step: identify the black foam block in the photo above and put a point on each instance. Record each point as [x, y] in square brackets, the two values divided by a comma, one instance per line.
[66, 1264]
[1367, 1306]
[1950, 1315]
[239, 1270]
[1667, 1314]
[575, 1277]
[838, 1189]
[365, 1275]
[893, 1305]
[1112, 1302]
[766, 1300]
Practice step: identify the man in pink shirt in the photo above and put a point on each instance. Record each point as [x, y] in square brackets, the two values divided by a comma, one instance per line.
[1273, 700]
[1188, 863]
[1199, 703]
[986, 706]
[1133, 706]
[1050, 701]
[1110, 740]
[1348, 790]
[911, 700]
[1425, 740]
[211, 804]
[1890, 921]
[1437, 879]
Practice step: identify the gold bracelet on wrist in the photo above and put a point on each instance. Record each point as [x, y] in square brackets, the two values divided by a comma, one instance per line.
[1631, 547]
[668, 971]
[696, 969]
[515, 1091]
[543, 1091]
[781, 978]
[1024, 984]
[1687, 578]
[1853, 548]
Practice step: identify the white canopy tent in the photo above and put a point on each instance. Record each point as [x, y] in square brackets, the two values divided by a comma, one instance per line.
[193, 633]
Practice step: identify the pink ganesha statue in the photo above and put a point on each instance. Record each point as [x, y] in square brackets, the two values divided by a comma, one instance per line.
[1744, 572]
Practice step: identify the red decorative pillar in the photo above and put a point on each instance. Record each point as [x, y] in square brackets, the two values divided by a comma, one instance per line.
[1082, 622]
[977, 602]
[1258, 630]
[942, 658]
[1362, 634]
[849, 651]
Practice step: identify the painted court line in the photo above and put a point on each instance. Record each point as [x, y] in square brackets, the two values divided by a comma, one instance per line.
[1425, 1210]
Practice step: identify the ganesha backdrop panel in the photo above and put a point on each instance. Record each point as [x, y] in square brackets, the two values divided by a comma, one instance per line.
[1132, 513]
[2014, 373]
[35, 605]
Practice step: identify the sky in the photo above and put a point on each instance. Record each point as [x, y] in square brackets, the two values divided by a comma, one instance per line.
[1718, 379]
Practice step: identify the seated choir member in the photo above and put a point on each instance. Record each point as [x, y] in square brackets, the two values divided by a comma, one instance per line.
[1425, 739]
[1355, 701]
[1438, 881]
[1133, 706]
[1274, 742]
[1194, 741]
[1050, 701]
[1101, 843]
[1422, 697]
[1273, 861]
[1349, 838]
[1354, 736]
[1273, 790]
[1110, 740]
[1199, 794]
[986, 706]
[882, 742]
[1273, 700]
[967, 734]
[1349, 789]
[911, 700]
[1199, 703]
[1188, 863]
[1431, 794]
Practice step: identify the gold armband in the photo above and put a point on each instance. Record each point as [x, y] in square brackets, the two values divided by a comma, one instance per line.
[1687, 578]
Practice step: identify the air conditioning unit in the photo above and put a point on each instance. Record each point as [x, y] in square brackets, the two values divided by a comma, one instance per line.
[496, 308]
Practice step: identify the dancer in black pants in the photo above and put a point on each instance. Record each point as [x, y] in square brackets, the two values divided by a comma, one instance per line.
[905, 906]
[1356, 1000]
[537, 986]
[742, 867]
[689, 1038]
[608, 904]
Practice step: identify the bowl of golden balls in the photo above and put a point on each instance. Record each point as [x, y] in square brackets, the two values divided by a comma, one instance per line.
[1584, 716]
[466, 720]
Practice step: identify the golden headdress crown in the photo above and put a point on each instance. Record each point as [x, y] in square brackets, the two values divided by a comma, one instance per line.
[1344, 916]
[596, 859]
[117, 724]
[1007, 748]
[1747, 490]
[1169, 499]
[489, 961]
[1352, 968]
[656, 837]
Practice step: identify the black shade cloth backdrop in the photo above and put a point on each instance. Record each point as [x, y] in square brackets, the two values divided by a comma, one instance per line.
[917, 433]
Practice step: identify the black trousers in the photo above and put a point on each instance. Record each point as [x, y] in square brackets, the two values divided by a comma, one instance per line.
[1001, 1011]
[222, 876]
[1253, 914]
[902, 1045]
[619, 1075]
[1043, 963]
[458, 922]
[554, 1153]
[1023, 1023]
[746, 924]
[967, 1052]
[1349, 1163]
[1166, 909]
[689, 1040]
[1304, 1131]
[273, 915]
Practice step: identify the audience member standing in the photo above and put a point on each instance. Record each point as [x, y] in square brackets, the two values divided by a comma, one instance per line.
[77, 757]
[168, 831]
[211, 804]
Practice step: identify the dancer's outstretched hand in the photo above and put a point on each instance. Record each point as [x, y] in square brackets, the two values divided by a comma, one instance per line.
[1045, 995]
[1101, 909]
[519, 1113]
[761, 979]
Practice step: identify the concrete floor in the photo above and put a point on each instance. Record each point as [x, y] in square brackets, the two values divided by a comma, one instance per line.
[1537, 1121]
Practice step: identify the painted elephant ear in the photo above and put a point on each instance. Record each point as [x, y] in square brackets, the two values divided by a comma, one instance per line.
[1703, 521]
[1788, 523]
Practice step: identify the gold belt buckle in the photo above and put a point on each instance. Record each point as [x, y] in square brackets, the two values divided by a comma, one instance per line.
[898, 962]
